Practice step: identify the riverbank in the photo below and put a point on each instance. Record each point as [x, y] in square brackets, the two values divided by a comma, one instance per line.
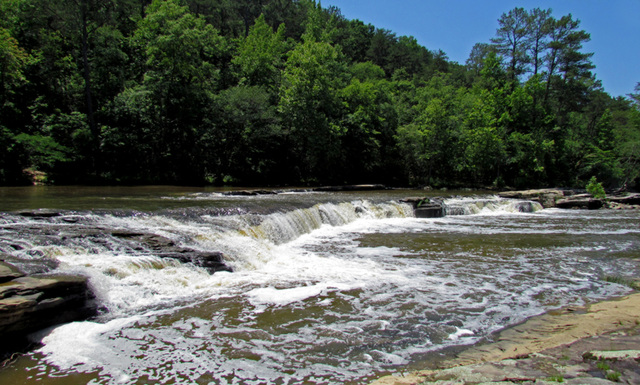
[571, 199]
[597, 344]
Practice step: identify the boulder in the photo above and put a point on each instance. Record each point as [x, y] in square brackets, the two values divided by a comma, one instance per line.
[210, 261]
[430, 210]
[426, 207]
[31, 303]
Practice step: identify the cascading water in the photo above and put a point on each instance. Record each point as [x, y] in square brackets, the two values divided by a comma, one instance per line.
[334, 292]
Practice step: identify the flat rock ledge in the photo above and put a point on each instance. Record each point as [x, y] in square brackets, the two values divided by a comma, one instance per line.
[31, 303]
[599, 344]
[570, 199]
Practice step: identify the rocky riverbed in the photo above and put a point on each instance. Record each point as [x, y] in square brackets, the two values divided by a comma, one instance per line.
[597, 344]
[31, 298]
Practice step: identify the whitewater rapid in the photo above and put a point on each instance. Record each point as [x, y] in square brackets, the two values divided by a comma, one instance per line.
[332, 293]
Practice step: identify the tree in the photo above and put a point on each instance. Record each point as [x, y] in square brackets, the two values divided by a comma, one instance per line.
[635, 97]
[512, 40]
[430, 141]
[595, 188]
[181, 71]
[380, 49]
[355, 38]
[313, 76]
[482, 139]
[259, 58]
[12, 60]
[540, 23]
[568, 69]
[627, 139]
[80, 19]
[368, 123]
[242, 140]
[477, 57]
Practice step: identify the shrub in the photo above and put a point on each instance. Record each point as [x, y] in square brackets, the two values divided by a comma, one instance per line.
[595, 188]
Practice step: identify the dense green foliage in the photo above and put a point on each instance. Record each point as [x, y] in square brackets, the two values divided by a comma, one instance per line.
[278, 92]
[595, 188]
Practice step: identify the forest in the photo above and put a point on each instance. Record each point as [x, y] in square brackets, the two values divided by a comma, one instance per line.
[286, 92]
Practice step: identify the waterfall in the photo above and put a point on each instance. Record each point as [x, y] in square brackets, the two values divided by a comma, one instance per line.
[475, 205]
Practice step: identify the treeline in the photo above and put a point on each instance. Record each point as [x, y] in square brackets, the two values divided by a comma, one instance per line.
[278, 92]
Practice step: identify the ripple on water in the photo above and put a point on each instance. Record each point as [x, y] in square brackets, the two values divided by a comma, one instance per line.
[335, 303]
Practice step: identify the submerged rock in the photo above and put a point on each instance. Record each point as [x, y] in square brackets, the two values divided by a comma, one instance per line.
[163, 247]
[40, 213]
[250, 192]
[597, 345]
[355, 187]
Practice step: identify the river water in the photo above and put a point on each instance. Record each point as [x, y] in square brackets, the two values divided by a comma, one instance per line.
[327, 288]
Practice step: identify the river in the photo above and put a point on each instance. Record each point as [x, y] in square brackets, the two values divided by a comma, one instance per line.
[327, 287]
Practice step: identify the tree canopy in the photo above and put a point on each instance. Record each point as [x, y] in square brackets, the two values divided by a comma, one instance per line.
[284, 92]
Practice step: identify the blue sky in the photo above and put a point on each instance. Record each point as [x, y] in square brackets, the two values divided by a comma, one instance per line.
[454, 26]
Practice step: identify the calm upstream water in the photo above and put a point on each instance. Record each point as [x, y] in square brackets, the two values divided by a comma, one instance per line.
[327, 288]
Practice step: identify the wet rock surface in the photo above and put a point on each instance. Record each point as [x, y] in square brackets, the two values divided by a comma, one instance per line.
[166, 248]
[8, 272]
[427, 207]
[569, 199]
[596, 345]
[546, 197]
[567, 364]
[31, 303]
[583, 201]
[73, 230]
[33, 297]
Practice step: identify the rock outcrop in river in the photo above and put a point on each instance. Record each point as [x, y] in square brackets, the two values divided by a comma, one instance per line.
[165, 248]
[569, 199]
[31, 303]
[33, 298]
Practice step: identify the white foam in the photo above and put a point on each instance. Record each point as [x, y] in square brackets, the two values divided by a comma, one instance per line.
[280, 297]
[75, 344]
[338, 298]
[459, 333]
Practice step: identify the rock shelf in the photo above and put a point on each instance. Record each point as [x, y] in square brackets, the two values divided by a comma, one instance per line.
[593, 345]
[569, 199]
[31, 303]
